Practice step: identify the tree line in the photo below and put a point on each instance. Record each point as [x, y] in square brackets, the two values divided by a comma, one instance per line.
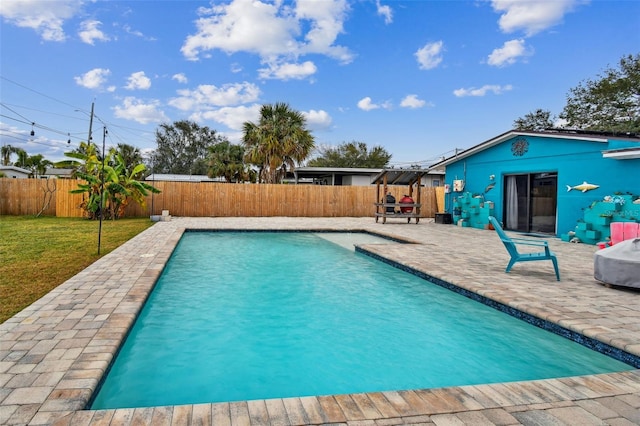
[609, 103]
[280, 141]
[273, 146]
[36, 164]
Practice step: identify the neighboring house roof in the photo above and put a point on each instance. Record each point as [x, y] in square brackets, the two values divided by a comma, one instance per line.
[622, 154]
[351, 171]
[182, 178]
[54, 172]
[320, 172]
[305, 174]
[596, 137]
[14, 171]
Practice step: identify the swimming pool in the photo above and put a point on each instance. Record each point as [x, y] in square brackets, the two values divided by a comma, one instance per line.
[313, 323]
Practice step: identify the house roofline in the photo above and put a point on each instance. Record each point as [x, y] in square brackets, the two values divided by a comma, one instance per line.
[570, 135]
[352, 170]
[622, 154]
[16, 169]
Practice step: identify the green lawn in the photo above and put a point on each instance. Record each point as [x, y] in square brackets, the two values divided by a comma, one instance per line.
[38, 254]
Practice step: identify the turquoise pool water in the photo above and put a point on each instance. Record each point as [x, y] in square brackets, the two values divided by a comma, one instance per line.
[241, 316]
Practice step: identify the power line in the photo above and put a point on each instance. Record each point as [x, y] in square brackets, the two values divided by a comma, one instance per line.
[18, 114]
[39, 126]
[27, 141]
[15, 137]
[69, 135]
[35, 91]
[140, 135]
[15, 119]
[73, 117]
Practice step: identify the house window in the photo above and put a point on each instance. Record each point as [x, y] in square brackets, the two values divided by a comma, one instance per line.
[435, 182]
[530, 202]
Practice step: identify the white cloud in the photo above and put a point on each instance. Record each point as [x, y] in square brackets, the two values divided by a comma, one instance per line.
[430, 55]
[317, 120]
[232, 117]
[136, 33]
[207, 96]
[138, 80]
[89, 32]
[45, 17]
[482, 91]
[180, 78]
[509, 53]
[242, 25]
[236, 68]
[384, 11]
[532, 16]
[367, 104]
[8, 134]
[412, 101]
[274, 31]
[129, 30]
[560, 123]
[94, 79]
[136, 110]
[233, 137]
[288, 71]
[325, 20]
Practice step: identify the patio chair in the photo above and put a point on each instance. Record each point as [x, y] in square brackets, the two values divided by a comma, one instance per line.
[512, 243]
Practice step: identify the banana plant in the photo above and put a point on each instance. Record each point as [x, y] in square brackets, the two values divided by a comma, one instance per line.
[123, 187]
[106, 186]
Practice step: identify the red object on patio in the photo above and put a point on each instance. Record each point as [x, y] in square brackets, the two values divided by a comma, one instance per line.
[621, 231]
[408, 200]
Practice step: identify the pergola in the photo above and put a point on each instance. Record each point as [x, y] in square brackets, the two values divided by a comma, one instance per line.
[409, 177]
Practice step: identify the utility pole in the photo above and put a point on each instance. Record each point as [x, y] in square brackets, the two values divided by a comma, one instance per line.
[102, 198]
[90, 123]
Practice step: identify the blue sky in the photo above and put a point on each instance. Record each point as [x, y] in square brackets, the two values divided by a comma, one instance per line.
[419, 78]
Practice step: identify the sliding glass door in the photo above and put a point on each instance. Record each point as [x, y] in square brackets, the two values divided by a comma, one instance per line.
[530, 202]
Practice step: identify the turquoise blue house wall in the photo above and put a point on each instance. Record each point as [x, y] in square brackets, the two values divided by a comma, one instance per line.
[574, 160]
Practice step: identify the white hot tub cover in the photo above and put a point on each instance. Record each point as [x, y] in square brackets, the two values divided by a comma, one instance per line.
[619, 264]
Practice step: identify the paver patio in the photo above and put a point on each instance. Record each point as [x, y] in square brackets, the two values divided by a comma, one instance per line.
[54, 353]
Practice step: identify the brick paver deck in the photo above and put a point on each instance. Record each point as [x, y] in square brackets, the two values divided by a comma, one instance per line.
[53, 353]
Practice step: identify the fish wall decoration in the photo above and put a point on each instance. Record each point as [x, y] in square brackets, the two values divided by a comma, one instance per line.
[584, 187]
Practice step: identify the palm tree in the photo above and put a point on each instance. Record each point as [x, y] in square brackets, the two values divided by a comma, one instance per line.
[38, 164]
[130, 155]
[226, 160]
[278, 142]
[6, 152]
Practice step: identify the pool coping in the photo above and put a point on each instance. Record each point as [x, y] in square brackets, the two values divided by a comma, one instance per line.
[55, 352]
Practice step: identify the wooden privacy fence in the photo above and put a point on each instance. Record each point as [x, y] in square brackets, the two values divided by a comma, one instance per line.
[19, 197]
[197, 199]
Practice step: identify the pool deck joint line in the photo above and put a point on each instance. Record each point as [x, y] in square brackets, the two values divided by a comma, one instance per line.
[54, 353]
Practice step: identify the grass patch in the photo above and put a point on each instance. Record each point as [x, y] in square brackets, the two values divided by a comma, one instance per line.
[39, 254]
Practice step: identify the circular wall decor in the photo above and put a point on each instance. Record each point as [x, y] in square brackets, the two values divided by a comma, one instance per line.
[519, 147]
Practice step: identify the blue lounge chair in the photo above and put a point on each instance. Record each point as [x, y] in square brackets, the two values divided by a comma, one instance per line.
[512, 243]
